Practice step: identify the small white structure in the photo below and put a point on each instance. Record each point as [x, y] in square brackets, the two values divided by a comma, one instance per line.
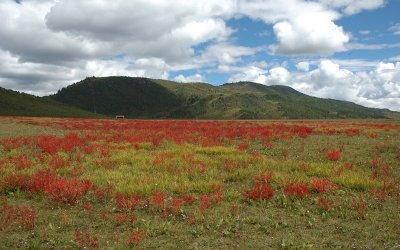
[119, 117]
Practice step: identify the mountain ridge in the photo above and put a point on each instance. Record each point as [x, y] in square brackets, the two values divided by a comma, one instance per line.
[138, 97]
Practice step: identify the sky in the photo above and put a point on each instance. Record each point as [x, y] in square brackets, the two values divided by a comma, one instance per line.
[341, 49]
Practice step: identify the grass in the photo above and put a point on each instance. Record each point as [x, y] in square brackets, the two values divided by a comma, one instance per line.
[167, 161]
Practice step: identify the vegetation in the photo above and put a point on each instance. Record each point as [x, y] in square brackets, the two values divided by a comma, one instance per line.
[148, 98]
[13, 103]
[117, 184]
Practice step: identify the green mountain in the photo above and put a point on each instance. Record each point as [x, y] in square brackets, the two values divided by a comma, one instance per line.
[14, 103]
[149, 98]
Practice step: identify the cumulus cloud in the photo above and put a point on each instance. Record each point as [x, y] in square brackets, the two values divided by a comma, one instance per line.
[278, 76]
[303, 66]
[258, 73]
[224, 53]
[191, 78]
[305, 35]
[165, 29]
[250, 73]
[23, 33]
[379, 87]
[350, 7]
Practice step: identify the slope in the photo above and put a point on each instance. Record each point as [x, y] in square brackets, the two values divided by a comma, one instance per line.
[13, 103]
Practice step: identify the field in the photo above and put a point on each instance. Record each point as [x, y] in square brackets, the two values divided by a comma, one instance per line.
[106, 184]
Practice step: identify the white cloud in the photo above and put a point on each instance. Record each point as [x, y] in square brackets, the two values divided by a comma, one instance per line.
[303, 66]
[350, 7]
[395, 29]
[224, 54]
[361, 46]
[166, 29]
[191, 78]
[364, 32]
[250, 73]
[143, 67]
[379, 87]
[305, 35]
[23, 33]
[278, 76]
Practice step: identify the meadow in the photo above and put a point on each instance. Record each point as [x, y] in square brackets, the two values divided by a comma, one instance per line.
[187, 184]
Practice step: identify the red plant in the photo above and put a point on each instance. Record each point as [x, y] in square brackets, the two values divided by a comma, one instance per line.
[265, 177]
[376, 163]
[352, 132]
[200, 167]
[189, 199]
[262, 188]
[21, 162]
[348, 165]
[14, 182]
[40, 181]
[305, 166]
[298, 189]
[121, 218]
[88, 207]
[127, 203]
[136, 237]
[322, 185]
[325, 204]
[235, 209]
[48, 144]
[101, 193]
[360, 206]
[301, 131]
[40, 157]
[65, 191]
[52, 144]
[57, 161]
[11, 143]
[217, 192]
[387, 190]
[176, 205]
[205, 202]
[191, 219]
[243, 146]
[133, 218]
[372, 134]
[86, 240]
[16, 216]
[333, 155]
[158, 199]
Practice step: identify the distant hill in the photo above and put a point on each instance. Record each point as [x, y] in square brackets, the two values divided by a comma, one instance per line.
[149, 98]
[14, 103]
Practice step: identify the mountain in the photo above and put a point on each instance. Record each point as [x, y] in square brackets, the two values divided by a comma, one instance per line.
[14, 103]
[148, 98]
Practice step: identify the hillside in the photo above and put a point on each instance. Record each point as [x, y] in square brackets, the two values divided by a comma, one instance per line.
[13, 103]
[148, 98]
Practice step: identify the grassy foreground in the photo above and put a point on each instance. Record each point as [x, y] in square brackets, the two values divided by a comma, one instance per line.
[99, 184]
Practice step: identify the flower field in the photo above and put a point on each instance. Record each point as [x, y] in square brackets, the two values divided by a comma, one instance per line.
[178, 184]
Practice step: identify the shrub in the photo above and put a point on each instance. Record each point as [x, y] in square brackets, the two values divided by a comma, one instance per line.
[333, 155]
[298, 189]
[262, 188]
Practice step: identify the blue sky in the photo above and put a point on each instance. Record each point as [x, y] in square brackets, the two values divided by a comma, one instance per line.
[341, 49]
